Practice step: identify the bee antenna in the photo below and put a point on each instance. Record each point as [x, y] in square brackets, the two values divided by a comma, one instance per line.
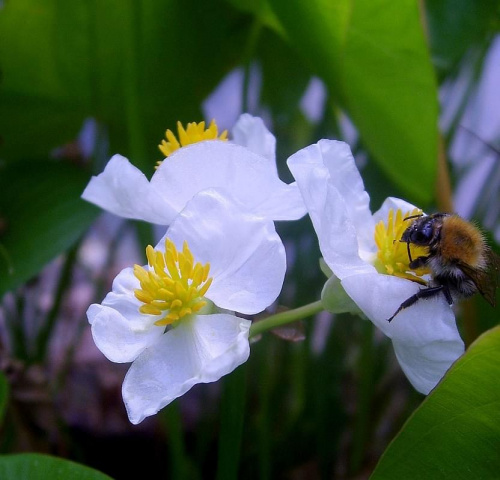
[413, 216]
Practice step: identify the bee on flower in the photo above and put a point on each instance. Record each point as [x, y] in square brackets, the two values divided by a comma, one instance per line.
[371, 264]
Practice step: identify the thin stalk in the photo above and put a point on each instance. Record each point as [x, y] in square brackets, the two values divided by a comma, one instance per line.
[172, 420]
[43, 337]
[364, 398]
[264, 424]
[247, 57]
[284, 318]
[231, 426]
[444, 194]
[15, 328]
[131, 80]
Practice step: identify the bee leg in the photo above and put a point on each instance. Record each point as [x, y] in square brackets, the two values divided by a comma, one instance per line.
[418, 262]
[423, 293]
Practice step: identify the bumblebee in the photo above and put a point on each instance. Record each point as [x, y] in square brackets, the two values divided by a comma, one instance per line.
[460, 261]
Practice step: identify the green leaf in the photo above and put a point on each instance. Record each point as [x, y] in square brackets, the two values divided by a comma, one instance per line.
[455, 26]
[34, 466]
[373, 57]
[42, 216]
[261, 10]
[280, 63]
[455, 433]
[137, 67]
[4, 395]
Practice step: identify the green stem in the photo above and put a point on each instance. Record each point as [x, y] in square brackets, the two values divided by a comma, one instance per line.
[16, 330]
[365, 389]
[231, 425]
[284, 318]
[177, 453]
[248, 55]
[44, 335]
[129, 13]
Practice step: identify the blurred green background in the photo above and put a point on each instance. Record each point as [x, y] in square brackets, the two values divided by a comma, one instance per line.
[407, 84]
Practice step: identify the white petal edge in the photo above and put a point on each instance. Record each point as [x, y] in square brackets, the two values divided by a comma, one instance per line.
[119, 330]
[199, 350]
[251, 132]
[246, 255]
[124, 190]
[425, 336]
[337, 166]
[392, 203]
[330, 215]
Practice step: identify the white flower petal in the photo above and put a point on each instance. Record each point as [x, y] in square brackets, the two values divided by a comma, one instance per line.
[249, 178]
[391, 203]
[343, 175]
[337, 224]
[124, 190]
[247, 258]
[198, 350]
[251, 132]
[272, 206]
[425, 336]
[426, 364]
[119, 330]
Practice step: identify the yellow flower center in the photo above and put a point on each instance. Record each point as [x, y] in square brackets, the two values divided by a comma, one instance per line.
[174, 284]
[193, 133]
[392, 255]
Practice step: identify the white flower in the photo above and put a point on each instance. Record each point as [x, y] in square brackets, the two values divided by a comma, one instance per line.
[425, 337]
[247, 171]
[173, 319]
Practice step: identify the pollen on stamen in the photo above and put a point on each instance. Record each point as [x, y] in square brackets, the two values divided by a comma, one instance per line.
[174, 286]
[392, 254]
[193, 133]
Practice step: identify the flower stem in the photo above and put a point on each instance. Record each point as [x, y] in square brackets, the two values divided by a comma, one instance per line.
[365, 391]
[284, 318]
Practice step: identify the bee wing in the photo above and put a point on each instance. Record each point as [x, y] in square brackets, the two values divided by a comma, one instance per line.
[485, 280]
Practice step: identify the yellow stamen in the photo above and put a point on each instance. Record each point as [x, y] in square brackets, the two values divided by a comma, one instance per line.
[392, 255]
[174, 284]
[193, 133]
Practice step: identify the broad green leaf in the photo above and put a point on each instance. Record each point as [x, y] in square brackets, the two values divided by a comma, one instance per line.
[4, 395]
[42, 215]
[137, 67]
[455, 433]
[457, 25]
[373, 57]
[34, 466]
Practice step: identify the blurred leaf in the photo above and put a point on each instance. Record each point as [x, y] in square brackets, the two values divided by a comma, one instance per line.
[456, 431]
[457, 25]
[4, 395]
[136, 67]
[293, 332]
[34, 466]
[374, 59]
[43, 216]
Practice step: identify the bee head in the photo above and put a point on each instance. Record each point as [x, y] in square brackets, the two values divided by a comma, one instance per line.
[424, 231]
